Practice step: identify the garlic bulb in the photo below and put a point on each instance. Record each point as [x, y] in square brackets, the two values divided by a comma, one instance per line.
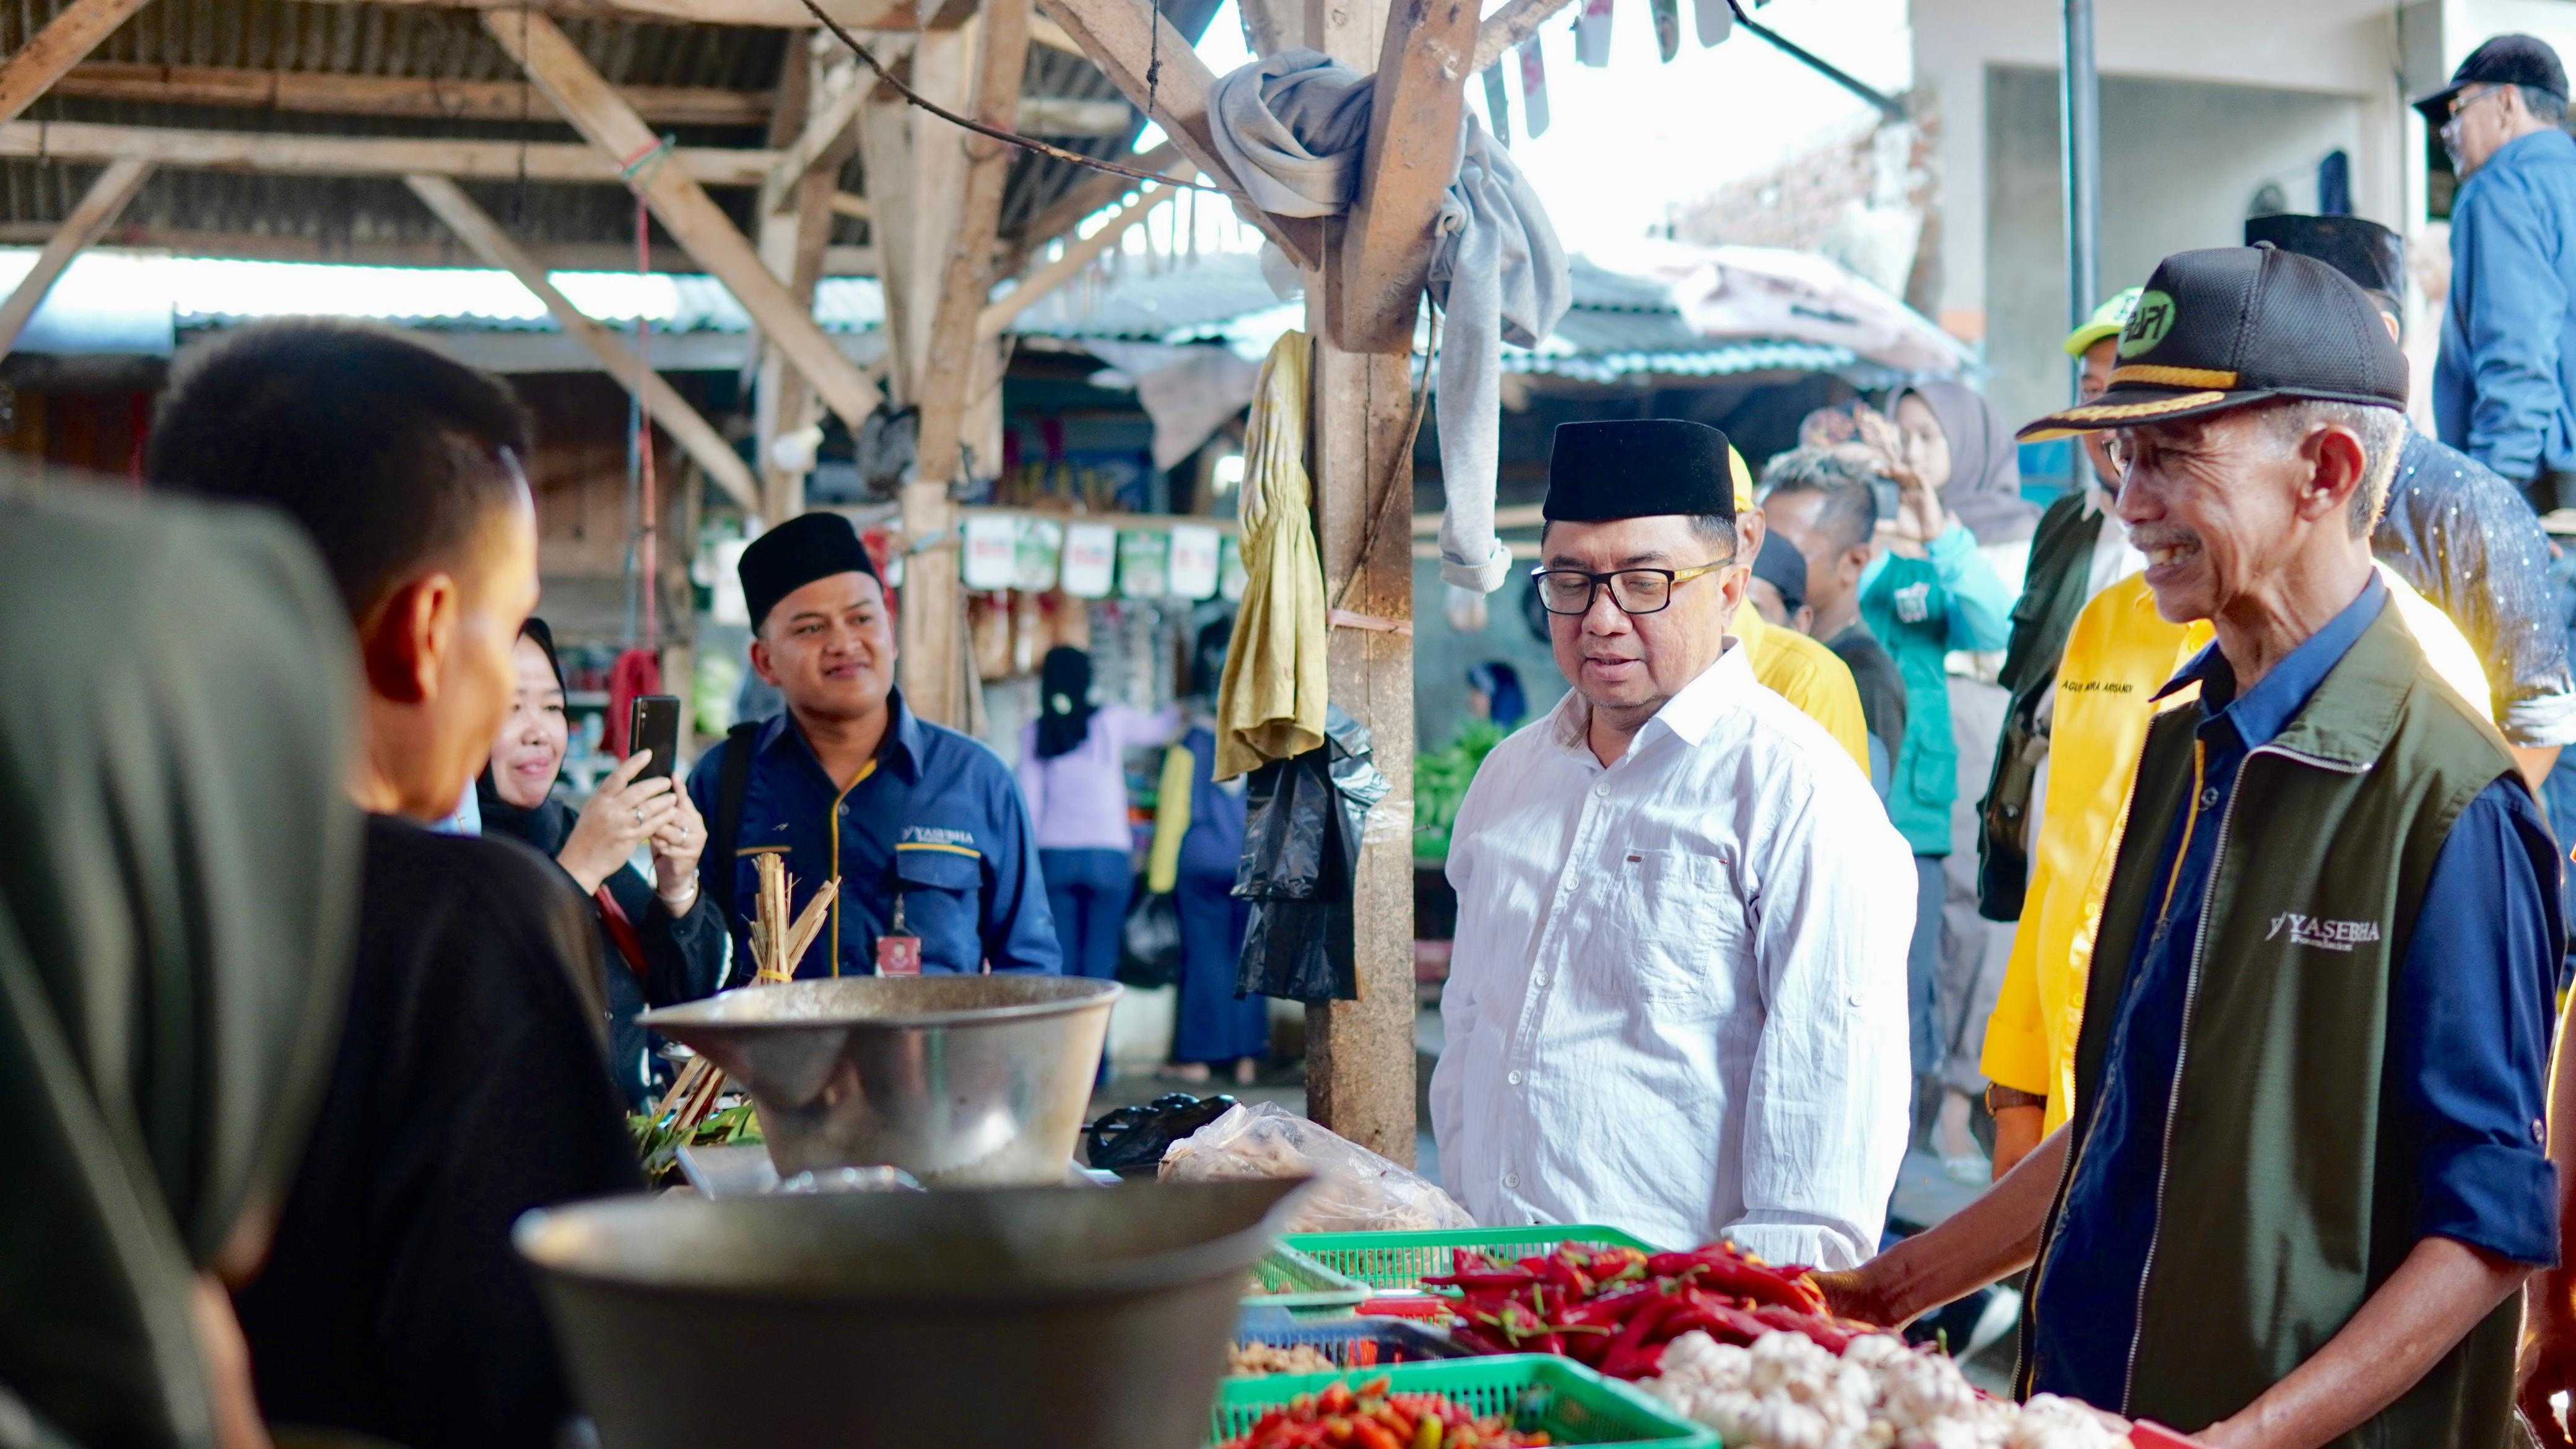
[1788, 1392]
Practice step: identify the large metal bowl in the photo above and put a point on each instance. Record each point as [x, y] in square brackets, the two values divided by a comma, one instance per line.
[1073, 1318]
[962, 1081]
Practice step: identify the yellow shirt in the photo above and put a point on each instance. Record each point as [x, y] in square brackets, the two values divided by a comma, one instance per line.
[2118, 655]
[1808, 675]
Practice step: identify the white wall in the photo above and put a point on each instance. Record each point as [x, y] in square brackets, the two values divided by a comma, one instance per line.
[2180, 162]
[2342, 48]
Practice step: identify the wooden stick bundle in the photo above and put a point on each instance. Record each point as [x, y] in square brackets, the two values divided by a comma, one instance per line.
[778, 942]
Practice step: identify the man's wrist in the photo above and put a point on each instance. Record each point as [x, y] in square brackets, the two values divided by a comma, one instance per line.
[2000, 1098]
[678, 902]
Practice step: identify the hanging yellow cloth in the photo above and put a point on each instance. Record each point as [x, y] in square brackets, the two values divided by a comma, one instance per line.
[1271, 703]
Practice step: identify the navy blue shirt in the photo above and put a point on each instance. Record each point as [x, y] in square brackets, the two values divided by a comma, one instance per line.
[935, 819]
[2469, 1022]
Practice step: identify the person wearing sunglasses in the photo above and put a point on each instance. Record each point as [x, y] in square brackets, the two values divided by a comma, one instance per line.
[2504, 383]
[1676, 1002]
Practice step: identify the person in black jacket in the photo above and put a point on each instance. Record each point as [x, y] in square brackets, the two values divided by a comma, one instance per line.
[470, 1083]
[662, 942]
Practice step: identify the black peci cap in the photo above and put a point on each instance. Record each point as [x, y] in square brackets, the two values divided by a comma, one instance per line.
[1785, 568]
[807, 547]
[2222, 328]
[2505, 60]
[1639, 468]
[2372, 255]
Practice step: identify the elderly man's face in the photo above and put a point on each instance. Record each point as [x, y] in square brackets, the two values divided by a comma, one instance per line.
[2483, 119]
[2214, 504]
[1627, 665]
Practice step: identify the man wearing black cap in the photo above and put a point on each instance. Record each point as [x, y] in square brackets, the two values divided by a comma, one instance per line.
[2304, 1174]
[2504, 385]
[922, 826]
[2454, 529]
[1677, 999]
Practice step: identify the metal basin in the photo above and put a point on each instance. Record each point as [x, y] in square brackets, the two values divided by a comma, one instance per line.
[1073, 1318]
[962, 1081]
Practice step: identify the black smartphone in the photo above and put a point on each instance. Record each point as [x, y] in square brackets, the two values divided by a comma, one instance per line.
[655, 725]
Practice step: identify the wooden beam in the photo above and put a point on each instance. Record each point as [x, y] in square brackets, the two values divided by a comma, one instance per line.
[91, 215]
[1073, 116]
[792, 243]
[834, 109]
[66, 40]
[325, 94]
[885, 148]
[1385, 246]
[433, 251]
[291, 155]
[1095, 190]
[687, 427]
[685, 210]
[934, 647]
[1078, 255]
[1119, 37]
[895, 17]
[850, 204]
[1517, 21]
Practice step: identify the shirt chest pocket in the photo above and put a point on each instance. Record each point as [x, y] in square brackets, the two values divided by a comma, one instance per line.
[1681, 923]
[943, 891]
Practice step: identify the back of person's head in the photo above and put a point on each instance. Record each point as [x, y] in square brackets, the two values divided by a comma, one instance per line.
[1842, 478]
[388, 454]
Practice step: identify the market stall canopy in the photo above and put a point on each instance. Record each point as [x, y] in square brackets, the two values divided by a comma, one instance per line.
[212, 91]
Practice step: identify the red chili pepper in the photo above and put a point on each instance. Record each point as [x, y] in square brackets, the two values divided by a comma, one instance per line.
[1484, 1280]
[1829, 1335]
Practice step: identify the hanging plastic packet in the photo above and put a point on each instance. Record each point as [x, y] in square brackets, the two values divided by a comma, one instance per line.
[1498, 103]
[1533, 89]
[1668, 28]
[898, 950]
[1592, 34]
[1716, 20]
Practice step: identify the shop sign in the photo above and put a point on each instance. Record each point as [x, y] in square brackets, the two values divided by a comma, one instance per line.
[1194, 561]
[1090, 560]
[1144, 565]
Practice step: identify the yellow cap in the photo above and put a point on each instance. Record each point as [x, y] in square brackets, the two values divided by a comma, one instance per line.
[2106, 321]
[1743, 479]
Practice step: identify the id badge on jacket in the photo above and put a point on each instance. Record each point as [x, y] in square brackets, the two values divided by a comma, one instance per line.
[898, 950]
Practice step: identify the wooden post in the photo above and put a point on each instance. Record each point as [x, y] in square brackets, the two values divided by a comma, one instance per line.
[1360, 1078]
[687, 427]
[95, 212]
[596, 110]
[1078, 255]
[73, 33]
[934, 615]
[795, 230]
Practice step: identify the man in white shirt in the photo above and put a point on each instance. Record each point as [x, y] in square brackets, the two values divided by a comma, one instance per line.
[1676, 1003]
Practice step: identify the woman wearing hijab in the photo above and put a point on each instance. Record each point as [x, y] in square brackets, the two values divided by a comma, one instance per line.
[663, 944]
[1198, 843]
[1959, 444]
[1073, 772]
[175, 914]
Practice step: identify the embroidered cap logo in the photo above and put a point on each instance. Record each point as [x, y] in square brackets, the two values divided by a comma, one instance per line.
[2148, 325]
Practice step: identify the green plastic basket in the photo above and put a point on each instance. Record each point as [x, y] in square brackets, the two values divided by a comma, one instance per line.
[1537, 1392]
[1400, 1261]
[1295, 1281]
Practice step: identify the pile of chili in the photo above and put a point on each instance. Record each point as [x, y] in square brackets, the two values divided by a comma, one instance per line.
[1614, 1309]
[1368, 1417]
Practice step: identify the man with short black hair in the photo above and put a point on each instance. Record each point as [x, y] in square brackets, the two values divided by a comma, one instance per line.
[923, 827]
[1822, 502]
[470, 1084]
[2304, 1175]
[1676, 1003]
[2504, 385]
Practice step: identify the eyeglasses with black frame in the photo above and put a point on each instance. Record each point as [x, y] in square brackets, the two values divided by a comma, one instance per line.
[1635, 591]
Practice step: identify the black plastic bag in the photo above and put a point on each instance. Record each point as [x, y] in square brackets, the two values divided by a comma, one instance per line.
[1130, 1140]
[1149, 941]
[1301, 838]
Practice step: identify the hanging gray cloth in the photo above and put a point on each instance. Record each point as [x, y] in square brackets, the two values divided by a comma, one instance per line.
[1292, 128]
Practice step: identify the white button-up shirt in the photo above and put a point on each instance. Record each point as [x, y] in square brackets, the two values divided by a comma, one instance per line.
[1676, 1003]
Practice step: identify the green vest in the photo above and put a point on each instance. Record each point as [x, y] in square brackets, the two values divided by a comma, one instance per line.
[2053, 592]
[2287, 1199]
[1907, 609]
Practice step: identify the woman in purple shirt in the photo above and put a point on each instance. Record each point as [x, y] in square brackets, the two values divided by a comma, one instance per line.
[1073, 772]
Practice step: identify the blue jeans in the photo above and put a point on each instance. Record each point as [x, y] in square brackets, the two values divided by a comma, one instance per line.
[1088, 890]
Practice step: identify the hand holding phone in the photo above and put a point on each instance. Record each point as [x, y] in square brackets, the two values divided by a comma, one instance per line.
[654, 724]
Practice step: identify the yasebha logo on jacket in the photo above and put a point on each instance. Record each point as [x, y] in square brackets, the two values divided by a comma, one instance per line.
[2321, 933]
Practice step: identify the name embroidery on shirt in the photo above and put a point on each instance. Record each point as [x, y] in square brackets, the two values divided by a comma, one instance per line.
[2323, 934]
[935, 837]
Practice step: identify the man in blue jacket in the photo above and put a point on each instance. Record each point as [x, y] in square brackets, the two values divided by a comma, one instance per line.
[2504, 389]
